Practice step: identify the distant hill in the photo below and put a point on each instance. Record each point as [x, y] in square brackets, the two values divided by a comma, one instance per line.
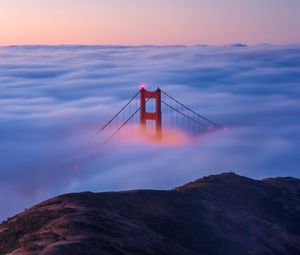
[220, 214]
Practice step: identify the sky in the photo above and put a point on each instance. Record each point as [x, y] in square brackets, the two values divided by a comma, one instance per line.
[140, 22]
[53, 99]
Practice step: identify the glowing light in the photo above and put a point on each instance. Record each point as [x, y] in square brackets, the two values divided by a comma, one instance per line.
[142, 86]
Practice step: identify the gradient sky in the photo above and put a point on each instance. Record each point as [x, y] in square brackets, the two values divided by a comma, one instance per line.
[149, 21]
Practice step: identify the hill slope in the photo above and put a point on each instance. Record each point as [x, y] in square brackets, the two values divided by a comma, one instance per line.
[219, 214]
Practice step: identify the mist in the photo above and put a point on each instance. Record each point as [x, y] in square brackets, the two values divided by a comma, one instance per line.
[53, 99]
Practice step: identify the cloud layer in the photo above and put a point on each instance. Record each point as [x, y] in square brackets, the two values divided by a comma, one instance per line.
[54, 98]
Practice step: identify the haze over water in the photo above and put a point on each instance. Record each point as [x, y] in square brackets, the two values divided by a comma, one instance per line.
[53, 99]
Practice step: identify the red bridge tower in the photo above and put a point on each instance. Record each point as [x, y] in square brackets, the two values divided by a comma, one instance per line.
[156, 115]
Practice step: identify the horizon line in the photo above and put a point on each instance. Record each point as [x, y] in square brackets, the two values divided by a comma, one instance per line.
[237, 44]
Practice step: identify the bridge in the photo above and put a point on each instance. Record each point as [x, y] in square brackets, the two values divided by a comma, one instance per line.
[155, 115]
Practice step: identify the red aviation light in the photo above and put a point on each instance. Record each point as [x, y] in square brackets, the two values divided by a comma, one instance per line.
[142, 86]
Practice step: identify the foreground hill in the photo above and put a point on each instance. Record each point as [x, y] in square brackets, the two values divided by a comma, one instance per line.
[219, 214]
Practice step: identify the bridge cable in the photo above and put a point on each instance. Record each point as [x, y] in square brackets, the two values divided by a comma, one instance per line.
[116, 115]
[109, 138]
[183, 114]
[197, 114]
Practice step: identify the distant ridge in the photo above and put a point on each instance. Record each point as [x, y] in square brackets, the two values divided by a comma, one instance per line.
[218, 214]
[238, 45]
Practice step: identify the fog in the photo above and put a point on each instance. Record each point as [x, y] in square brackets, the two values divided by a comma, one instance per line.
[53, 99]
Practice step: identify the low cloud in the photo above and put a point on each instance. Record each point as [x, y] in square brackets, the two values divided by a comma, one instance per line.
[54, 99]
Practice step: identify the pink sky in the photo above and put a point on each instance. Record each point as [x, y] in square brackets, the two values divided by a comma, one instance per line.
[149, 22]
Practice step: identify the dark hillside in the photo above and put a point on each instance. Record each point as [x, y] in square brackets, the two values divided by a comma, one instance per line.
[220, 214]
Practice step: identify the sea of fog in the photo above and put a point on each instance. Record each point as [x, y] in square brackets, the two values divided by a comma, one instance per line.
[54, 98]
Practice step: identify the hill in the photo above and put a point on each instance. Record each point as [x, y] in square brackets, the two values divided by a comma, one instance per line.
[219, 214]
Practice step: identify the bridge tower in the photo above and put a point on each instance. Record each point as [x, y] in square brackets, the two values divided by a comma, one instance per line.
[156, 115]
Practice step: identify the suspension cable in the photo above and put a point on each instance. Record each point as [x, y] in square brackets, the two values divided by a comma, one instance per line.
[116, 115]
[134, 114]
[183, 114]
[215, 124]
[109, 138]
